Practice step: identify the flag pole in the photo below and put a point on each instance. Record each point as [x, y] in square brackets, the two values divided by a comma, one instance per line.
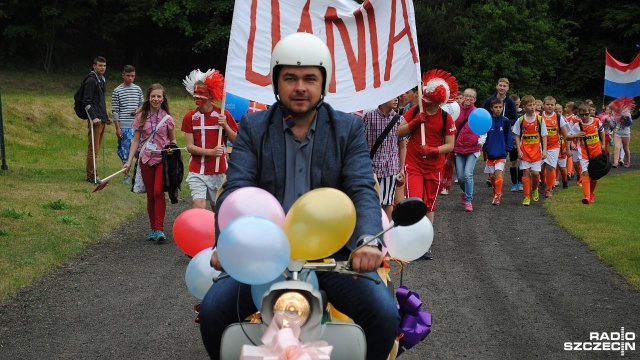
[221, 130]
[422, 131]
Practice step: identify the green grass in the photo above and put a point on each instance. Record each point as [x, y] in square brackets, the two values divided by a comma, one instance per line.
[610, 226]
[48, 213]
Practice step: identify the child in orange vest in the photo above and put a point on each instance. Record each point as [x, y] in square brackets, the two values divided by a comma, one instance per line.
[531, 141]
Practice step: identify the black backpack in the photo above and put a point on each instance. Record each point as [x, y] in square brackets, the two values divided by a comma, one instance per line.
[77, 99]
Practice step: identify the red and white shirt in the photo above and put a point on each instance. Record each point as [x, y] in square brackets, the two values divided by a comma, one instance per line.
[205, 130]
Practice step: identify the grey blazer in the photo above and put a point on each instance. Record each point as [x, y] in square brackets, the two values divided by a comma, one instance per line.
[340, 160]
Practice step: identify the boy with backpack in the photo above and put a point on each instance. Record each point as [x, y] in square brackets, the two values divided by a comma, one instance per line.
[90, 99]
[531, 142]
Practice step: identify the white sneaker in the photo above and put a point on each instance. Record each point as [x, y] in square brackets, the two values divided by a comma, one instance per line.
[444, 192]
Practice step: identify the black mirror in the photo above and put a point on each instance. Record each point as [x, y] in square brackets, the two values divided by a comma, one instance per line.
[409, 211]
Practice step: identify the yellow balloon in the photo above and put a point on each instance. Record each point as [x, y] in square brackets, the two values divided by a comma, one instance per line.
[319, 223]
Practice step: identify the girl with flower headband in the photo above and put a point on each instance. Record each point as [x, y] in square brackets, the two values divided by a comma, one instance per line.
[432, 135]
[202, 128]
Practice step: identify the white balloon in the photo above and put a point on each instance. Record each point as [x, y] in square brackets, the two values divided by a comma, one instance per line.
[200, 274]
[410, 242]
[453, 109]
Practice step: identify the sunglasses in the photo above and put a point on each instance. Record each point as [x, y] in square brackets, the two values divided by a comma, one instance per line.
[584, 114]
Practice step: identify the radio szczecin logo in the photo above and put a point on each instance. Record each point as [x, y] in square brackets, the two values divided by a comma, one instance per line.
[605, 341]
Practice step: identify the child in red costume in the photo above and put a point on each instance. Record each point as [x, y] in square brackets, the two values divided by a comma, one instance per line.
[202, 127]
[432, 134]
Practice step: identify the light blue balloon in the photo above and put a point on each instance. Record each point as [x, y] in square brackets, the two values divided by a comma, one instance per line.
[253, 250]
[258, 291]
[236, 105]
[199, 275]
[480, 121]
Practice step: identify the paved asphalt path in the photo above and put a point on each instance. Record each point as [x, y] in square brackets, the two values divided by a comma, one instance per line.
[505, 283]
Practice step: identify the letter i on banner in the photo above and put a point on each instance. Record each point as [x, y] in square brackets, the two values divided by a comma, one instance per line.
[221, 130]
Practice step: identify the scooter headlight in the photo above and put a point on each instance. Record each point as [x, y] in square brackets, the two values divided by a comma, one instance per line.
[293, 308]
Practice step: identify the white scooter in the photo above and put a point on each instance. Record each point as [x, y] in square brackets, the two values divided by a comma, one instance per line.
[296, 302]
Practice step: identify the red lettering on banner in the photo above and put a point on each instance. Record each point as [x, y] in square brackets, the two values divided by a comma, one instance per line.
[305, 19]
[357, 65]
[393, 38]
[249, 73]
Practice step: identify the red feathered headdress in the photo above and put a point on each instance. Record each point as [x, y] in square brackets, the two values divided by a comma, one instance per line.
[622, 106]
[212, 79]
[439, 86]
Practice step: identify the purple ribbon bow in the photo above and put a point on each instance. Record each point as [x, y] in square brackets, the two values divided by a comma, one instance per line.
[416, 323]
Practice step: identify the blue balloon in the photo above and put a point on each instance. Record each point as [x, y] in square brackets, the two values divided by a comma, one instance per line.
[258, 291]
[480, 121]
[253, 250]
[236, 105]
[199, 275]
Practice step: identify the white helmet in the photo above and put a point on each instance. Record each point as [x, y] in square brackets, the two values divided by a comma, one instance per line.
[301, 49]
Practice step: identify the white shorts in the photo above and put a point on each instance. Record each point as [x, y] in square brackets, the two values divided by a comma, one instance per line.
[535, 166]
[490, 169]
[204, 186]
[552, 157]
[623, 132]
[562, 163]
[585, 164]
[575, 156]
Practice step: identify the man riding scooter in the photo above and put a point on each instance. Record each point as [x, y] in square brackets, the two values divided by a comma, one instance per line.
[301, 143]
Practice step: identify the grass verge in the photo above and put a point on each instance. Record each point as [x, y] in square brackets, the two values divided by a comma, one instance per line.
[609, 226]
[48, 213]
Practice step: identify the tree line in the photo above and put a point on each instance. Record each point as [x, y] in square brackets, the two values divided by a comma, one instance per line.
[544, 47]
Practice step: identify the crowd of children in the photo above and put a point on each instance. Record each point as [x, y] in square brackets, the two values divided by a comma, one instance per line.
[548, 145]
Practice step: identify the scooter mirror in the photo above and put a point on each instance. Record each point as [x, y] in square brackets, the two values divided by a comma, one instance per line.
[408, 212]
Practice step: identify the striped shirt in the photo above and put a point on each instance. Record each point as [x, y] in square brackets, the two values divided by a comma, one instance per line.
[386, 161]
[124, 101]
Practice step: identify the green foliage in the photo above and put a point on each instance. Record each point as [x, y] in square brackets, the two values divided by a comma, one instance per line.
[514, 40]
[69, 220]
[12, 213]
[5, 232]
[544, 47]
[56, 205]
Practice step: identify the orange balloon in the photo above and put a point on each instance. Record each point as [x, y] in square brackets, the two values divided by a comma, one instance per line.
[319, 223]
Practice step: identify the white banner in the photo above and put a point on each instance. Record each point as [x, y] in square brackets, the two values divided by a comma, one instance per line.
[374, 47]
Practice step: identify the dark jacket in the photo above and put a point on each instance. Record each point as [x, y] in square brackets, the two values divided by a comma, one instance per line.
[499, 138]
[94, 95]
[340, 160]
[172, 172]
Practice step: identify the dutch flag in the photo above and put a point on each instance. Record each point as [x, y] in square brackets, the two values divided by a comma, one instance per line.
[621, 79]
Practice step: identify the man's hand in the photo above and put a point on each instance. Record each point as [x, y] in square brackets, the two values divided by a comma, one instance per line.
[215, 262]
[222, 121]
[366, 259]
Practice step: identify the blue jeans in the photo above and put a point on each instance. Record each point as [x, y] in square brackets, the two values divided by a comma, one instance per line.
[371, 306]
[465, 163]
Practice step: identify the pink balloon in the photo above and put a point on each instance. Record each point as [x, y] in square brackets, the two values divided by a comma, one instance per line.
[250, 201]
[385, 225]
